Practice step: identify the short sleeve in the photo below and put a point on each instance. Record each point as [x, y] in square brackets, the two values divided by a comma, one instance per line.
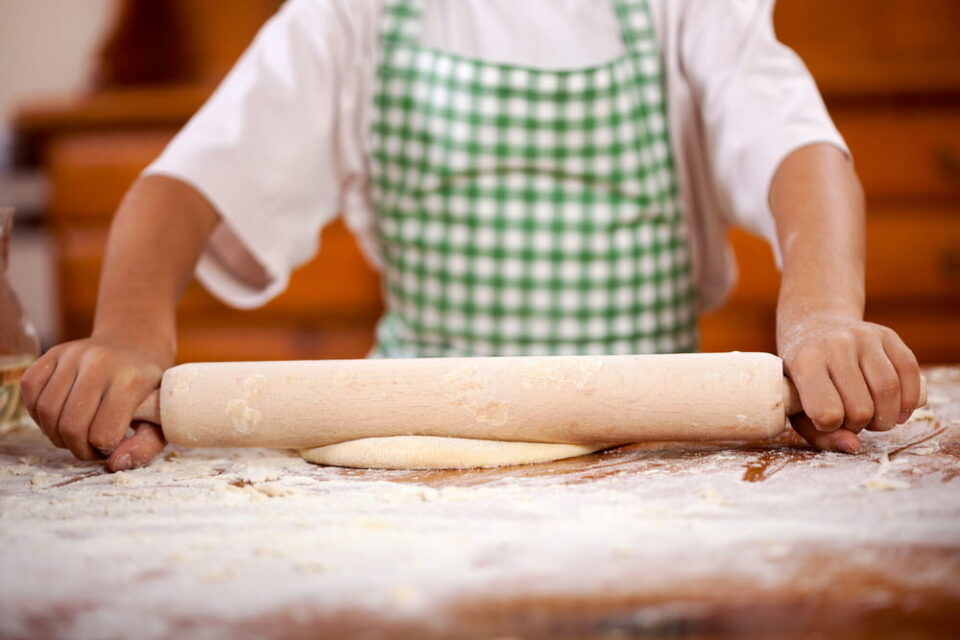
[264, 149]
[757, 101]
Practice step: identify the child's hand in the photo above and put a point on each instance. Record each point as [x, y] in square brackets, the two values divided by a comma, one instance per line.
[851, 375]
[83, 395]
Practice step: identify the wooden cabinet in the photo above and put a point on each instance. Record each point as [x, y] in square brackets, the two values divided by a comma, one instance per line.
[328, 310]
[889, 70]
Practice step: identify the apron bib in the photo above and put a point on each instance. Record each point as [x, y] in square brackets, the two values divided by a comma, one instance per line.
[524, 211]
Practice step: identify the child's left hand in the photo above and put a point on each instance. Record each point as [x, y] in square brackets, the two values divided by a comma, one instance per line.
[851, 375]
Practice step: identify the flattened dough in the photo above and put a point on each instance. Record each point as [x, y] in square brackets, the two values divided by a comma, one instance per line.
[432, 452]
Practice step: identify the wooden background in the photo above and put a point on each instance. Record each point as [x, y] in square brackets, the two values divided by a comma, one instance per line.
[889, 70]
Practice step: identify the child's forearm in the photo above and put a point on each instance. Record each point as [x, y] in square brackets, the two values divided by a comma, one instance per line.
[155, 240]
[83, 394]
[818, 205]
[850, 373]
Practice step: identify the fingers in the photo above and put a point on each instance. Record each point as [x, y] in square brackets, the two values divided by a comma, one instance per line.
[34, 380]
[83, 394]
[840, 440]
[818, 395]
[49, 404]
[78, 411]
[884, 386]
[139, 449]
[908, 373]
[855, 376]
[858, 403]
[115, 413]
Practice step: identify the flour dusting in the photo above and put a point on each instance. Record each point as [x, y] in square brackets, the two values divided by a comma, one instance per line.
[230, 536]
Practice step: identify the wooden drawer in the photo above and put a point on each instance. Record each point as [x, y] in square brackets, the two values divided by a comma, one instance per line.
[914, 255]
[91, 172]
[899, 153]
[931, 331]
[229, 343]
[857, 47]
[904, 152]
[338, 287]
[740, 326]
[911, 255]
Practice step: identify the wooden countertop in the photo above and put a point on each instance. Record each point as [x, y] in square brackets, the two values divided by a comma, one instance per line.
[758, 539]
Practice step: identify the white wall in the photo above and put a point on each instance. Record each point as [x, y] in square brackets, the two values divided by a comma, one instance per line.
[47, 46]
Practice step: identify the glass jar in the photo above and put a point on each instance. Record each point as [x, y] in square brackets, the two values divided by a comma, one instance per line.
[18, 339]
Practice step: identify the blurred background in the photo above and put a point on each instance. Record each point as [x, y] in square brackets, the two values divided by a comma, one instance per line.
[91, 91]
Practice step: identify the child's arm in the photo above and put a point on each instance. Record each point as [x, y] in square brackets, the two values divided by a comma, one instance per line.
[850, 374]
[83, 393]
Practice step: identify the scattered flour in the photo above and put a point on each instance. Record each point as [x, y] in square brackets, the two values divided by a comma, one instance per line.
[880, 481]
[225, 536]
[405, 596]
[925, 449]
[125, 478]
[42, 479]
[923, 415]
[709, 493]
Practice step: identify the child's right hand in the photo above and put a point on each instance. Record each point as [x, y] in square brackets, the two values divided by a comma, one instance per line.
[83, 395]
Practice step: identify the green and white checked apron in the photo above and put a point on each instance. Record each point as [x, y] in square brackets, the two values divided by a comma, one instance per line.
[525, 211]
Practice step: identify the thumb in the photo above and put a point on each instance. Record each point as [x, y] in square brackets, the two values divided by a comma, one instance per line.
[841, 440]
[139, 449]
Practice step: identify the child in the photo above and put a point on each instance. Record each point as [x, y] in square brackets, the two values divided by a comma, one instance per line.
[531, 176]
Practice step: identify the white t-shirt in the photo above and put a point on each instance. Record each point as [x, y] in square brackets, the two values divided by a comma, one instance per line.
[282, 147]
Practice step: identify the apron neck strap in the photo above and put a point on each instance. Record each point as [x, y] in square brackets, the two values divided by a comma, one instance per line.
[402, 18]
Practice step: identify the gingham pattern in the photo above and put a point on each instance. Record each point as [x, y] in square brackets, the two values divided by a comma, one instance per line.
[524, 211]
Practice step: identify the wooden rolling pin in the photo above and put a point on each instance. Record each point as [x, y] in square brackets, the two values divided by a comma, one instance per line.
[565, 399]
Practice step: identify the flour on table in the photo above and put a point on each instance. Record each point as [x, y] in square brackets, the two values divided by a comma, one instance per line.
[124, 478]
[880, 481]
[198, 546]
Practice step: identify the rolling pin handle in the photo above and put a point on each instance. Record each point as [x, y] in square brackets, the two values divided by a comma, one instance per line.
[791, 399]
[149, 409]
[793, 406]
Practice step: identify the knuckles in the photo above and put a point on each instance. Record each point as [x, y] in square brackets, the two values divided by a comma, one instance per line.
[95, 357]
[884, 332]
[805, 359]
[47, 414]
[129, 378]
[31, 382]
[886, 425]
[841, 341]
[858, 415]
[887, 386]
[848, 340]
[71, 428]
[101, 443]
[29, 385]
[830, 417]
